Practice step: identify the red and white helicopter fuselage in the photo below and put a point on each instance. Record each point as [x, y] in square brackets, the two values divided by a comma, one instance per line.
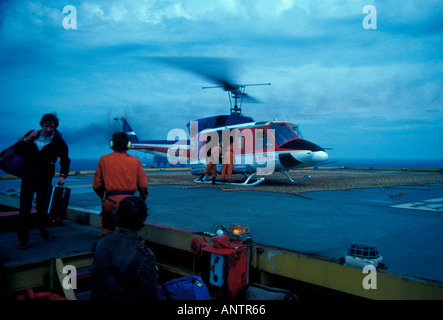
[259, 147]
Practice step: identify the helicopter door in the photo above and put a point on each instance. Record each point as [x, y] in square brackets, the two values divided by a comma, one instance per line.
[261, 140]
[193, 150]
[204, 143]
[197, 155]
[244, 147]
[264, 147]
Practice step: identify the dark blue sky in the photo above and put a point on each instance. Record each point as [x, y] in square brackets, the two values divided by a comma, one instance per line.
[366, 93]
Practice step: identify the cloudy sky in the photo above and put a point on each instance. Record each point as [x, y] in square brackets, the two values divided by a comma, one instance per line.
[366, 93]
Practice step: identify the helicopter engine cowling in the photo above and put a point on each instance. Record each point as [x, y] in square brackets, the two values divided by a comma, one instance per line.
[319, 156]
[301, 153]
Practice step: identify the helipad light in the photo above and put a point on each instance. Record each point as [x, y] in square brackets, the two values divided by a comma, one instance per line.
[361, 254]
[238, 229]
[239, 232]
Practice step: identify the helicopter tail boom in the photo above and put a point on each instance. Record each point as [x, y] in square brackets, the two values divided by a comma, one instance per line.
[127, 128]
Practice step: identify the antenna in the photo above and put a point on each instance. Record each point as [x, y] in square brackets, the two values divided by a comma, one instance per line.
[237, 95]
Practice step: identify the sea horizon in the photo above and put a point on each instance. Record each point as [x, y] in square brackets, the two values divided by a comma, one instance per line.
[89, 164]
[82, 164]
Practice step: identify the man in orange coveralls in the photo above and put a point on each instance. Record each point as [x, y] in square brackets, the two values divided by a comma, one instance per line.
[228, 161]
[118, 175]
[212, 162]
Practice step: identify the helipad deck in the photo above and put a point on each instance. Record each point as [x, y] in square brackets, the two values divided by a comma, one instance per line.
[405, 223]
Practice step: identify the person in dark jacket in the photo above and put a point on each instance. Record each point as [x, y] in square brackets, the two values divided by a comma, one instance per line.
[41, 149]
[123, 268]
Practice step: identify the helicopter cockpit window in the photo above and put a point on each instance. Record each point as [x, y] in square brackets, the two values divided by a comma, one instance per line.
[282, 133]
[296, 129]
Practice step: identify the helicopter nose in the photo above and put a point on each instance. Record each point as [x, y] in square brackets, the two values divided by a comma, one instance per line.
[319, 156]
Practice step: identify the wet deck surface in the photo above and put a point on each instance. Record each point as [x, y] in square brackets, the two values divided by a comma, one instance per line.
[404, 222]
[66, 240]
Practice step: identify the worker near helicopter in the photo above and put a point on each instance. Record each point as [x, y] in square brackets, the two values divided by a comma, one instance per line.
[228, 160]
[213, 158]
[118, 175]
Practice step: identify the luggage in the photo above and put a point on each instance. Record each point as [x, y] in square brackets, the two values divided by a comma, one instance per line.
[189, 287]
[58, 204]
[257, 291]
[12, 158]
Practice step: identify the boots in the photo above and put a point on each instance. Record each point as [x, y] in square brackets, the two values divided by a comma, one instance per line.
[201, 177]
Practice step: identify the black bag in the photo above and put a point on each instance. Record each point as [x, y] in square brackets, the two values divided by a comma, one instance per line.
[12, 159]
[58, 204]
[257, 291]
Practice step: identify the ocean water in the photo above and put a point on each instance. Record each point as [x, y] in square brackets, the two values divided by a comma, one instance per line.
[389, 163]
[83, 164]
[76, 165]
[91, 164]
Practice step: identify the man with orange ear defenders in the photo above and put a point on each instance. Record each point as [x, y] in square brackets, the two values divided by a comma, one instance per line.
[118, 175]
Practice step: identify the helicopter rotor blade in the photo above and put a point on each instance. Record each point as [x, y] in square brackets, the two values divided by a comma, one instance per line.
[248, 99]
[216, 70]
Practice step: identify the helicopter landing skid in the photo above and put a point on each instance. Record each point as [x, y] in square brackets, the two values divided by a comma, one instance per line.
[295, 181]
[245, 183]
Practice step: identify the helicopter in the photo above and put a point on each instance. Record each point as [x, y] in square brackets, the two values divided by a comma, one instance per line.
[260, 148]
